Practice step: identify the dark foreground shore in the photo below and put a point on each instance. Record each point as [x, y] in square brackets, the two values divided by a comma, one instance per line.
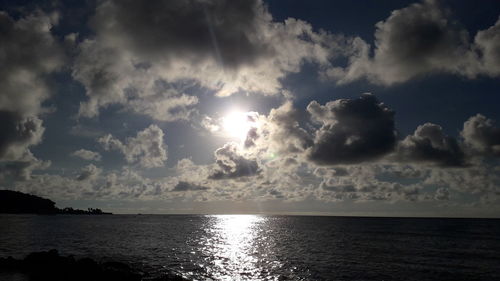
[50, 266]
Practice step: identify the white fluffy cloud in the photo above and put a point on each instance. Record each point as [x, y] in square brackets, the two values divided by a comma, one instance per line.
[488, 42]
[22, 168]
[146, 148]
[87, 155]
[18, 134]
[361, 183]
[481, 134]
[419, 40]
[89, 173]
[278, 134]
[29, 53]
[430, 144]
[232, 164]
[482, 180]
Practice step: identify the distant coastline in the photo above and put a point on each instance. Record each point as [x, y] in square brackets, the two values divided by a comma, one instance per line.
[15, 202]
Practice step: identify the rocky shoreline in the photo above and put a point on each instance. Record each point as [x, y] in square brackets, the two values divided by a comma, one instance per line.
[50, 266]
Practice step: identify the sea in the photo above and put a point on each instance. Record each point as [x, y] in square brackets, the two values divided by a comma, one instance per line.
[262, 247]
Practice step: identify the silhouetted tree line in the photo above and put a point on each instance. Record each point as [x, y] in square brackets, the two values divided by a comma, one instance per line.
[89, 211]
[14, 202]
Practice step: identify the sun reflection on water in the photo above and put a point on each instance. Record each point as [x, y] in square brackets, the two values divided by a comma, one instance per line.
[231, 247]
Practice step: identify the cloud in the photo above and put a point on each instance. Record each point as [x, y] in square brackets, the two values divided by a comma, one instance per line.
[87, 155]
[21, 169]
[146, 148]
[231, 164]
[85, 131]
[111, 77]
[165, 105]
[479, 179]
[442, 194]
[92, 182]
[187, 186]
[187, 170]
[146, 54]
[89, 173]
[361, 183]
[429, 144]
[488, 42]
[352, 131]
[405, 171]
[18, 134]
[29, 55]
[481, 135]
[282, 133]
[343, 132]
[419, 40]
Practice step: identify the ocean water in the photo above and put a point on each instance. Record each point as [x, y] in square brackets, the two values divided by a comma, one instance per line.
[250, 247]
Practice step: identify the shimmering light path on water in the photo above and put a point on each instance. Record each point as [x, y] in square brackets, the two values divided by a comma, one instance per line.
[230, 245]
[237, 247]
[247, 247]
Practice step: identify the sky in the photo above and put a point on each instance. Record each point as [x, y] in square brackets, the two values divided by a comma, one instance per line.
[366, 108]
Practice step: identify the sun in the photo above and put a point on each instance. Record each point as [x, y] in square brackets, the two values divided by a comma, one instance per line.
[236, 124]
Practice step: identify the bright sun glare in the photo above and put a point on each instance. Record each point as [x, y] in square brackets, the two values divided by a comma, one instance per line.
[237, 124]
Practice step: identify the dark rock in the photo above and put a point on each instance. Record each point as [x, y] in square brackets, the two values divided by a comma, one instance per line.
[50, 266]
[10, 263]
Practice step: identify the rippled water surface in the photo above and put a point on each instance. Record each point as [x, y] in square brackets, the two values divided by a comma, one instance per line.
[248, 247]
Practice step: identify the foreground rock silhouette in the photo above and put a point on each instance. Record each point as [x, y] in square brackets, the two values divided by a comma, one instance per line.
[50, 266]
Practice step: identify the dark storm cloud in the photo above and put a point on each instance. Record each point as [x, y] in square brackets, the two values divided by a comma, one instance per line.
[418, 39]
[352, 131]
[186, 186]
[226, 46]
[481, 134]
[429, 144]
[192, 29]
[231, 164]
